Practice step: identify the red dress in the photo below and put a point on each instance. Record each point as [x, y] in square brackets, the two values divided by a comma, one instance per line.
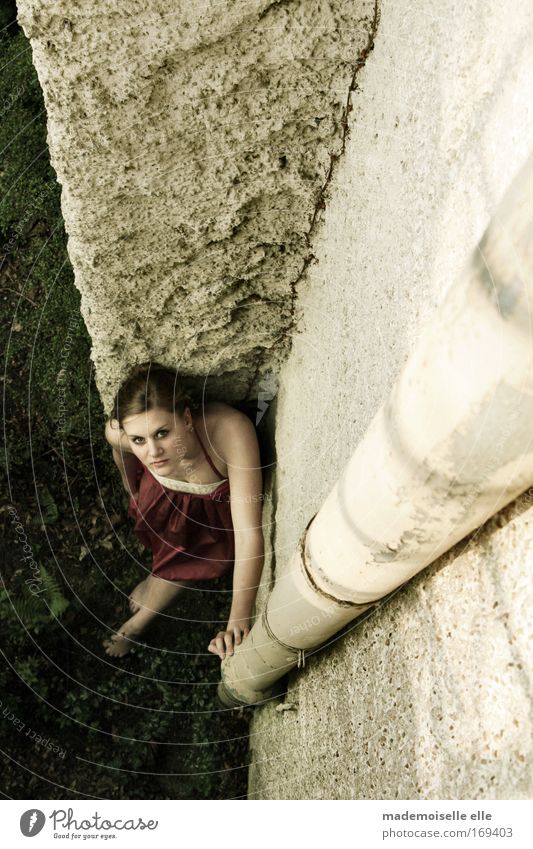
[187, 526]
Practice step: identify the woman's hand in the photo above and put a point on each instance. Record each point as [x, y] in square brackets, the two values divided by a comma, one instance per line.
[223, 643]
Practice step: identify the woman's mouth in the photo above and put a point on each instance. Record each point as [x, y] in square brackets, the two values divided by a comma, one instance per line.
[159, 462]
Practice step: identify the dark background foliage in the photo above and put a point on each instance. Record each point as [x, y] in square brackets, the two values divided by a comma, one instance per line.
[73, 722]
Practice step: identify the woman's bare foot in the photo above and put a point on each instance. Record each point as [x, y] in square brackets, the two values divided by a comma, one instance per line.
[137, 596]
[156, 594]
[118, 645]
[121, 643]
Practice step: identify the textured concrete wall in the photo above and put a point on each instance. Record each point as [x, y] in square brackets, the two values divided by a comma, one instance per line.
[428, 699]
[193, 141]
[431, 697]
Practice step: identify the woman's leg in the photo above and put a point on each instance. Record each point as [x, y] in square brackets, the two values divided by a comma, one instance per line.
[136, 597]
[157, 595]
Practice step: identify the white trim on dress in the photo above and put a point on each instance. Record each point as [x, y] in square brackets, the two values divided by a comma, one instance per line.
[187, 486]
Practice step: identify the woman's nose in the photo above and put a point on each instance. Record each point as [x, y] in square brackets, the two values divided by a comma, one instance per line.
[154, 449]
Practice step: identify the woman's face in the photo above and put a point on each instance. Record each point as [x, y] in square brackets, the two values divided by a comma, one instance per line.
[159, 438]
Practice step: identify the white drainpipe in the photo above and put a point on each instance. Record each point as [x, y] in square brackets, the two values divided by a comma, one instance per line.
[449, 448]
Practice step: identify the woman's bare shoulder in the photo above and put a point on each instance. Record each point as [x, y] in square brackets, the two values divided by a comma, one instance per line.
[216, 411]
[224, 422]
[218, 416]
[234, 441]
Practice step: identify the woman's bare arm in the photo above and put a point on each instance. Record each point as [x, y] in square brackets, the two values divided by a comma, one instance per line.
[126, 462]
[237, 435]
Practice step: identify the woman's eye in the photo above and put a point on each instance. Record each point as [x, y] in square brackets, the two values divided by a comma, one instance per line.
[139, 440]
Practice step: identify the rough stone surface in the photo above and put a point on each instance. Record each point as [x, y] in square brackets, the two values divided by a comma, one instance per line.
[193, 142]
[430, 698]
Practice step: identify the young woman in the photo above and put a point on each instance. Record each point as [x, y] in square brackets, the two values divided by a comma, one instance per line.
[195, 483]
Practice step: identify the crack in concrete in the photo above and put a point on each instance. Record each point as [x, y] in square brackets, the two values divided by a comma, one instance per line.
[320, 205]
[334, 157]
